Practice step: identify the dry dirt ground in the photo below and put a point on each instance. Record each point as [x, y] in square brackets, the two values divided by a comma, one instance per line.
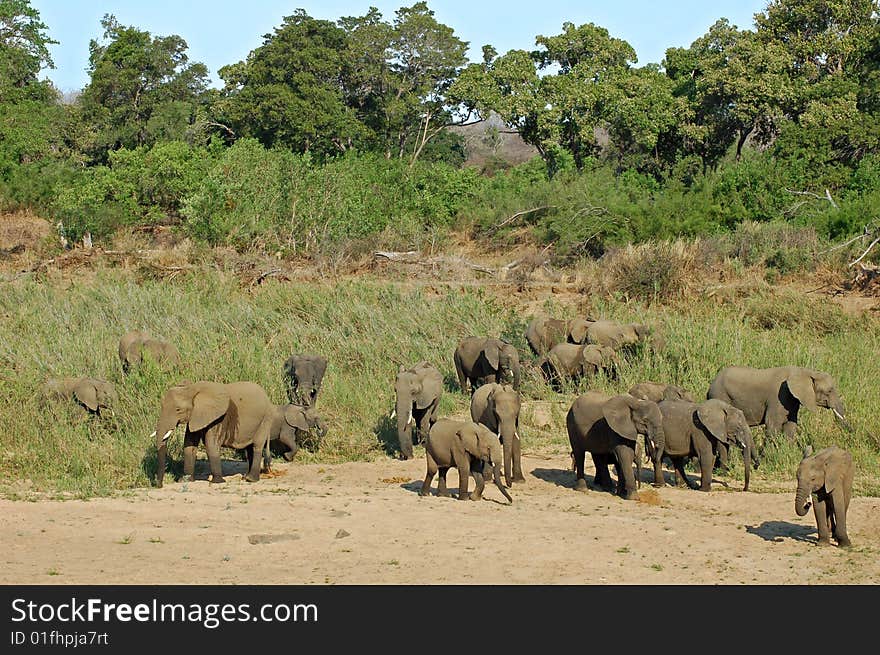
[364, 523]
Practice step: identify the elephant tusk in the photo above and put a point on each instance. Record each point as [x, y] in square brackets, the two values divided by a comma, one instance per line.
[838, 414]
[153, 434]
[516, 434]
[167, 434]
[410, 420]
[393, 412]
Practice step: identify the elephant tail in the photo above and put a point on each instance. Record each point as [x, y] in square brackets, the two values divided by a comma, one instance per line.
[229, 426]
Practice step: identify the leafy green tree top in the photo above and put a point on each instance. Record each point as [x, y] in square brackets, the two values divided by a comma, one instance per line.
[24, 51]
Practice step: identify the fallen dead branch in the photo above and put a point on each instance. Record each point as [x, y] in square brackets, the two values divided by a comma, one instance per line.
[413, 257]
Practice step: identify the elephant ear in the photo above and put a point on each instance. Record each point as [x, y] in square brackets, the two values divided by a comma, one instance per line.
[86, 393]
[577, 331]
[800, 384]
[467, 438]
[296, 418]
[492, 353]
[833, 475]
[208, 406]
[618, 414]
[712, 416]
[593, 356]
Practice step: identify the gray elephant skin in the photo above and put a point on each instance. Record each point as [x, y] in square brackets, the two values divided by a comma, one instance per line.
[480, 360]
[608, 428]
[827, 476]
[303, 374]
[92, 393]
[497, 407]
[569, 361]
[291, 426]
[657, 391]
[133, 345]
[237, 415]
[772, 397]
[469, 447]
[693, 430]
[544, 332]
[417, 390]
[619, 336]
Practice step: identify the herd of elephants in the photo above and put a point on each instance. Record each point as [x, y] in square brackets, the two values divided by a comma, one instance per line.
[672, 423]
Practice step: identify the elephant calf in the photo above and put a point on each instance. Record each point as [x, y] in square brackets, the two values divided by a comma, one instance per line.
[467, 446]
[828, 477]
[91, 393]
[291, 426]
[571, 361]
[655, 392]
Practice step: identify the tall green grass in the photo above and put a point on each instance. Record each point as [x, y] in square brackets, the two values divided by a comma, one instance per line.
[227, 332]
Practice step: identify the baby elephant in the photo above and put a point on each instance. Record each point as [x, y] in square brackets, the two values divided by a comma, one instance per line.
[292, 427]
[134, 344]
[91, 393]
[469, 447]
[828, 476]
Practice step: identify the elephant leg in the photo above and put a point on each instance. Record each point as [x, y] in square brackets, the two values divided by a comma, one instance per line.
[603, 477]
[442, 490]
[424, 426]
[190, 445]
[580, 482]
[789, 429]
[681, 476]
[477, 493]
[213, 449]
[820, 510]
[838, 518]
[517, 460]
[429, 475]
[253, 474]
[249, 455]
[721, 460]
[624, 457]
[707, 460]
[659, 480]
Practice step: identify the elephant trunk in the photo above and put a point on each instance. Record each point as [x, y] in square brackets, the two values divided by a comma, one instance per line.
[840, 415]
[801, 501]
[516, 377]
[747, 465]
[496, 476]
[404, 430]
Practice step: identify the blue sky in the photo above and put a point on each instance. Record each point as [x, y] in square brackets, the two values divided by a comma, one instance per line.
[219, 32]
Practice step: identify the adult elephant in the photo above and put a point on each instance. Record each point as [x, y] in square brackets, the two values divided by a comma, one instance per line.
[694, 429]
[134, 344]
[418, 391]
[497, 407]
[827, 476]
[772, 397]
[656, 391]
[608, 427]
[544, 332]
[571, 361]
[92, 393]
[616, 335]
[303, 374]
[237, 415]
[291, 426]
[480, 360]
[467, 446]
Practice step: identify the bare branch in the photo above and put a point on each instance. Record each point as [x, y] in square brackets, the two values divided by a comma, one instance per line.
[522, 213]
[862, 256]
[846, 243]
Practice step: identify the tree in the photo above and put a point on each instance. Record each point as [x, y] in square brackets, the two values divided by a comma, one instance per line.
[142, 88]
[24, 52]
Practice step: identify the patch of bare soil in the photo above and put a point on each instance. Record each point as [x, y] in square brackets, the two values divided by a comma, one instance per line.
[364, 523]
[21, 231]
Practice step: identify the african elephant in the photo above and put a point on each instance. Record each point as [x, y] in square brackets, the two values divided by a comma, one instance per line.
[237, 415]
[303, 374]
[772, 396]
[418, 390]
[468, 446]
[480, 360]
[571, 361]
[608, 427]
[291, 424]
[693, 429]
[497, 407]
[828, 476]
[543, 333]
[91, 393]
[134, 344]
[623, 335]
[655, 392]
